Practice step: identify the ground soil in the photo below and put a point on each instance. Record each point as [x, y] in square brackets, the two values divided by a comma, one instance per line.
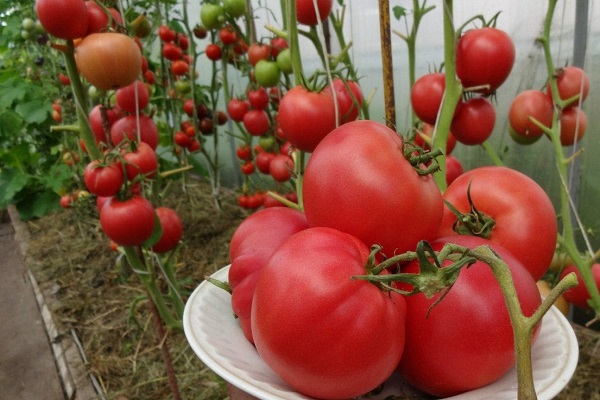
[95, 295]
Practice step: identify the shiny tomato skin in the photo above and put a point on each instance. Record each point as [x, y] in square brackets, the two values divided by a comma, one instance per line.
[530, 104]
[571, 81]
[466, 340]
[103, 180]
[142, 161]
[579, 295]
[172, 230]
[484, 56]
[306, 117]
[426, 96]
[325, 347]
[237, 108]
[358, 181]
[133, 97]
[256, 122]
[454, 169]
[126, 128]
[525, 217]
[64, 19]
[573, 125]
[129, 222]
[252, 243]
[474, 121]
[305, 11]
[281, 167]
[349, 99]
[423, 139]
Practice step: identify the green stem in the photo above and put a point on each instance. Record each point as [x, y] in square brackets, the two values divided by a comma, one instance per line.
[85, 130]
[568, 233]
[492, 153]
[294, 43]
[451, 96]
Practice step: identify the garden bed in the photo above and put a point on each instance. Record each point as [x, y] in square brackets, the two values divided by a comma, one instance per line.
[91, 292]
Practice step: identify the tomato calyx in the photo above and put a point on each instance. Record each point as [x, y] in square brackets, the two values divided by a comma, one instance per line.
[474, 223]
[423, 161]
[430, 280]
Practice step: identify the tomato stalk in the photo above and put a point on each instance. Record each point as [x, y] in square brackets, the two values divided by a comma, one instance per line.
[567, 239]
[451, 96]
[432, 279]
[387, 63]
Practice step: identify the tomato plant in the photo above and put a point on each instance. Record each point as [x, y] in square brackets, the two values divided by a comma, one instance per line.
[528, 105]
[446, 337]
[571, 81]
[322, 348]
[390, 203]
[522, 221]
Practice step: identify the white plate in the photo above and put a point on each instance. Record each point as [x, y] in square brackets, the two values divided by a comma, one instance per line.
[216, 337]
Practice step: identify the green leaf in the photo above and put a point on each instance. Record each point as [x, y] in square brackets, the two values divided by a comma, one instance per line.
[12, 90]
[198, 167]
[58, 177]
[37, 204]
[399, 12]
[33, 112]
[11, 124]
[11, 182]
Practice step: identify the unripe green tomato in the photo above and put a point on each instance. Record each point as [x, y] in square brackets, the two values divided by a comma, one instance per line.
[267, 73]
[235, 8]
[94, 93]
[28, 24]
[39, 28]
[266, 142]
[284, 61]
[212, 16]
[183, 87]
[25, 35]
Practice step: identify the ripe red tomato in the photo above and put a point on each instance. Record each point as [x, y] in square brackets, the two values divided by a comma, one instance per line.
[306, 117]
[247, 168]
[530, 104]
[103, 180]
[108, 60]
[66, 201]
[474, 121]
[252, 243]
[172, 230]
[263, 161]
[305, 11]
[166, 34]
[468, 331]
[454, 169]
[573, 125]
[281, 168]
[179, 68]
[126, 128]
[142, 161]
[129, 222]
[256, 122]
[259, 98]
[182, 139]
[133, 97]
[349, 99]
[227, 35]
[390, 203]
[579, 295]
[525, 218]
[426, 96]
[322, 348]
[172, 51]
[571, 81]
[97, 124]
[213, 52]
[277, 45]
[244, 152]
[98, 18]
[237, 109]
[257, 52]
[484, 56]
[64, 19]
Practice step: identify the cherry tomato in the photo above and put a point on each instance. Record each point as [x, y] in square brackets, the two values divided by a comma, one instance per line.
[454, 169]
[126, 128]
[64, 19]
[172, 230]
[277, 45]
[484, 56]
[213, 52]
[259, 98]
[468, 331]
[66, 201]
[306, 117]
[267, 73]
[247, 168]
[182, 139]
[263, 161]
[423, 138]
[171, 51]
[525, 219]
[179, 68]
[237, 109]
[227, 35]
[426, 96]
[390, 203]
[257, 52]
[142, 161]
[281, 168]
[474, 121]
[129, 222]
[305, 11]
[322, 348]
[530, 104]
[349, 99]
[133, 97]
[244, 152]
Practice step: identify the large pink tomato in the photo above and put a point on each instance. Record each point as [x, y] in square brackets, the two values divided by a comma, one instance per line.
[465, 341]
[328, 335]
[525, 220]
[358, 181]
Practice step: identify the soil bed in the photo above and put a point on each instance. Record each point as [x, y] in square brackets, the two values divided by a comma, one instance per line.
[90, 290]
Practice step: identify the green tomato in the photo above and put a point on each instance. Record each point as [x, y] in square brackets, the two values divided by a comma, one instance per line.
[284, 61]
[212, 16]
[183, 86]
[235, 8]
[267, 73]
[28, 24]
[267, 142]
